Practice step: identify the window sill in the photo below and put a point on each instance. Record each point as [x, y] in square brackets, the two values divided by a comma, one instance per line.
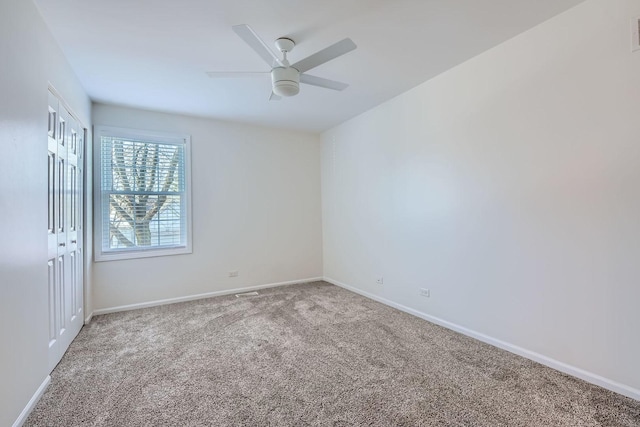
[141, 253]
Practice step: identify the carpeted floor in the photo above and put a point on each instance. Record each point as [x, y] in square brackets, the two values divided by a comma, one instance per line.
[306, 355]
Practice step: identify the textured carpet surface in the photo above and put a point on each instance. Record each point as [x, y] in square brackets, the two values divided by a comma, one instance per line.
[306, 355]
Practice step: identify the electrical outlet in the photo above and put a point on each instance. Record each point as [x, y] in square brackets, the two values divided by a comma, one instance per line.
[635, 34]
[380, 280]
[425, 292]
[233, 273]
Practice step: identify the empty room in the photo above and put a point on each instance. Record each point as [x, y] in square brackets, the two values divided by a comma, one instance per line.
[320, 213]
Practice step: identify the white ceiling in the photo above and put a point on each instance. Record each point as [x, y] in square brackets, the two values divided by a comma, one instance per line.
[153, 54]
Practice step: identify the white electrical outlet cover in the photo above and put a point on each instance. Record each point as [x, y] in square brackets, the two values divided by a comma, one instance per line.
[635, 34]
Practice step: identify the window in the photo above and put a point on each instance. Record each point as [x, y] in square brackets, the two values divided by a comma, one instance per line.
[142, 194]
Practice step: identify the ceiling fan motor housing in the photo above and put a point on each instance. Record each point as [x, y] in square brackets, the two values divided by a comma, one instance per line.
[285, 81]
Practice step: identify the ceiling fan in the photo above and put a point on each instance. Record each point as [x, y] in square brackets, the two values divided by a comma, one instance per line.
[285, 77]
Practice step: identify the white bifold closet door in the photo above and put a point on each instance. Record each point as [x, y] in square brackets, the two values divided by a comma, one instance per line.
[64, 229]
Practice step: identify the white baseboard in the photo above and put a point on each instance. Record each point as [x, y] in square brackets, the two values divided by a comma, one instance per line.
[32, 403]
[536, 357]
[88, 318]
[199, 296]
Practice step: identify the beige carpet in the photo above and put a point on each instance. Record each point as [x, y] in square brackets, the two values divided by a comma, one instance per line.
[306, 355]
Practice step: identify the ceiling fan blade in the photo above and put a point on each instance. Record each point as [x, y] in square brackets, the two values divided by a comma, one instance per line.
[236, 74]
[319, 81]
[251, 38]
[325, 55]
[274, 97]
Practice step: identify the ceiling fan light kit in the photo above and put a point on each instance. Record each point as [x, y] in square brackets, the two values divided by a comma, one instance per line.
[286, 78]
[285, 81]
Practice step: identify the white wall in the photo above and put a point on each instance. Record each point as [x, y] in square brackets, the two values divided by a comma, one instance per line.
[256, 209]
[510, 187]
[30, 60]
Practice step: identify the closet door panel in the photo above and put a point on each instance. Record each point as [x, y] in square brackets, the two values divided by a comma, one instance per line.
[64, 211]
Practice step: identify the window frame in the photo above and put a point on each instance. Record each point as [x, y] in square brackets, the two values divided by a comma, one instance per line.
[152, 136]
